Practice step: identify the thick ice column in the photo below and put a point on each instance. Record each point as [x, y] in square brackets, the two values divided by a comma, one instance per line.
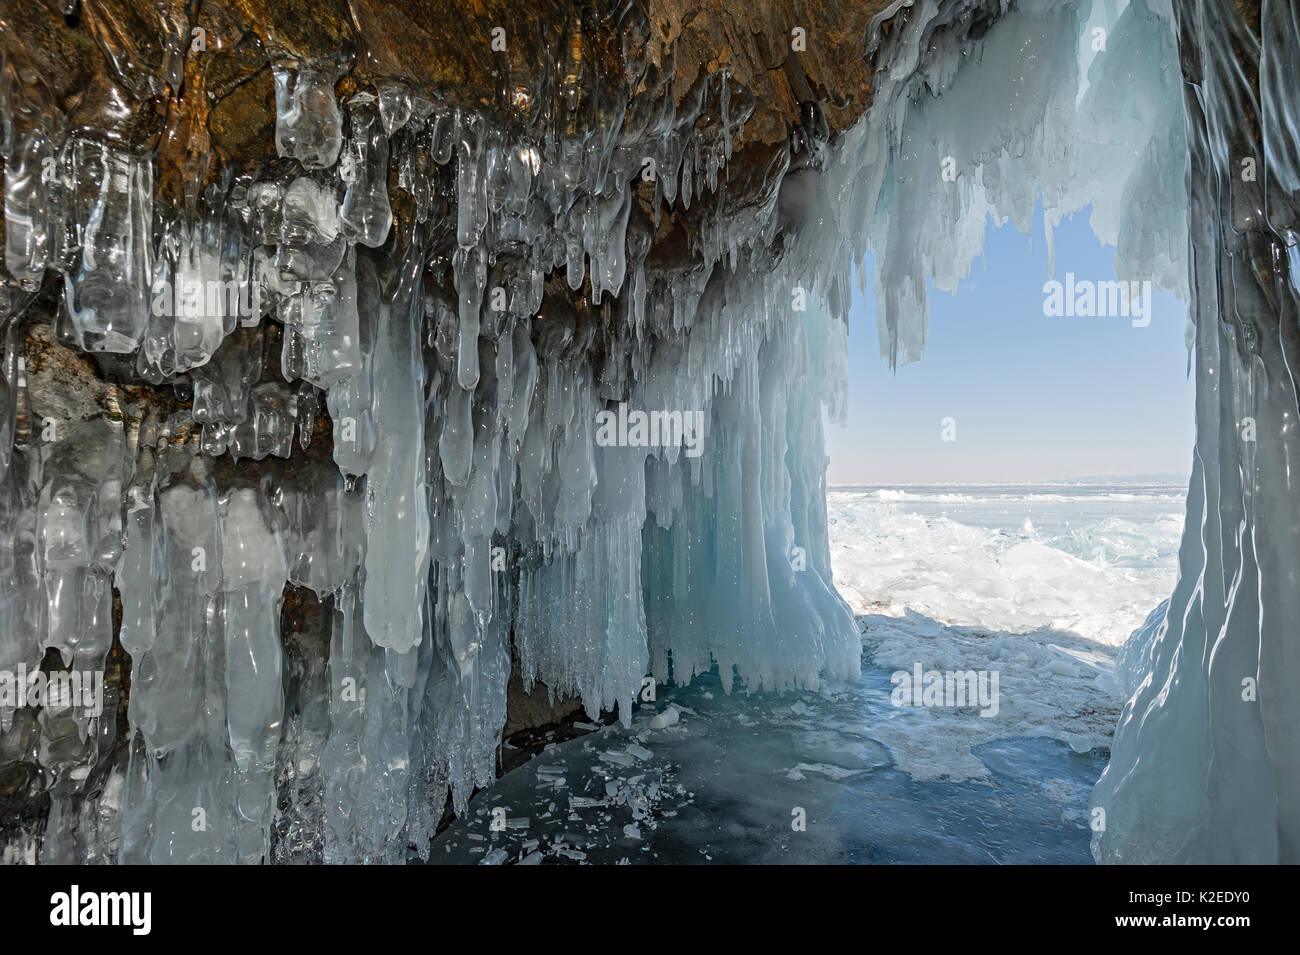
[737, 565]
[795, 385]
[254, 572]
[107, 293]
[366, 762]
[207, 700]
[342, 763]
[167, 674]
[581, 625]
[365, 214]
[78, 540]
[464, 669]
[618, 508]
[742, 630]
[20, 589]
[177, 805]
[31, 144]
[397, 556]
[1205, 764]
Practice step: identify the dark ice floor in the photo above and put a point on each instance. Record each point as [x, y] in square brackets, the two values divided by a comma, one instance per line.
[726, 782]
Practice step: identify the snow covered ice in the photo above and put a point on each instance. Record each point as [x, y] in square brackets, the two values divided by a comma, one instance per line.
[362, 383]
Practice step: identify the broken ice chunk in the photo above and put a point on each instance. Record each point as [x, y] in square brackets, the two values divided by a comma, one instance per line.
[640, 752]
[669, 717]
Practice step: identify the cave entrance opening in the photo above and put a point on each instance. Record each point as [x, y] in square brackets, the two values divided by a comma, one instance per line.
[1014, 501]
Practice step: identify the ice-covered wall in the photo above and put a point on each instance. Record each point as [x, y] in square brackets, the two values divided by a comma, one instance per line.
[469, 351]
[1205, 765]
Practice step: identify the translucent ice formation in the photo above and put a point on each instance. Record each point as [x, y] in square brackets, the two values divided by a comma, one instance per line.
[308, 126]
[108, 288]
[552, 450]
[365, 215]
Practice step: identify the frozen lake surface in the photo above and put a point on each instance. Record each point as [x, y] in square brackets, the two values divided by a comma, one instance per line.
[727, 782]
[1090, 559]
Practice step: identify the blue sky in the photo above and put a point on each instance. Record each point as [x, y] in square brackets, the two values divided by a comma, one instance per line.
[1033, 398]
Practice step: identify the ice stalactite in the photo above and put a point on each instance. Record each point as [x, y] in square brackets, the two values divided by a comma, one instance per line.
[62, 528]
[980, 112]
[110, 208]
[397, 526]
[308, 125]
[208, 705]
[473, 511]
[28, 142]
[365, 214]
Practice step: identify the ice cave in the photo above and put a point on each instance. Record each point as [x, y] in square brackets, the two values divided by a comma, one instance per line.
[384, 379]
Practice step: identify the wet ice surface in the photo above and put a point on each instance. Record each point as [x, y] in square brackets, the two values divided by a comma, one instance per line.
[722, 785]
